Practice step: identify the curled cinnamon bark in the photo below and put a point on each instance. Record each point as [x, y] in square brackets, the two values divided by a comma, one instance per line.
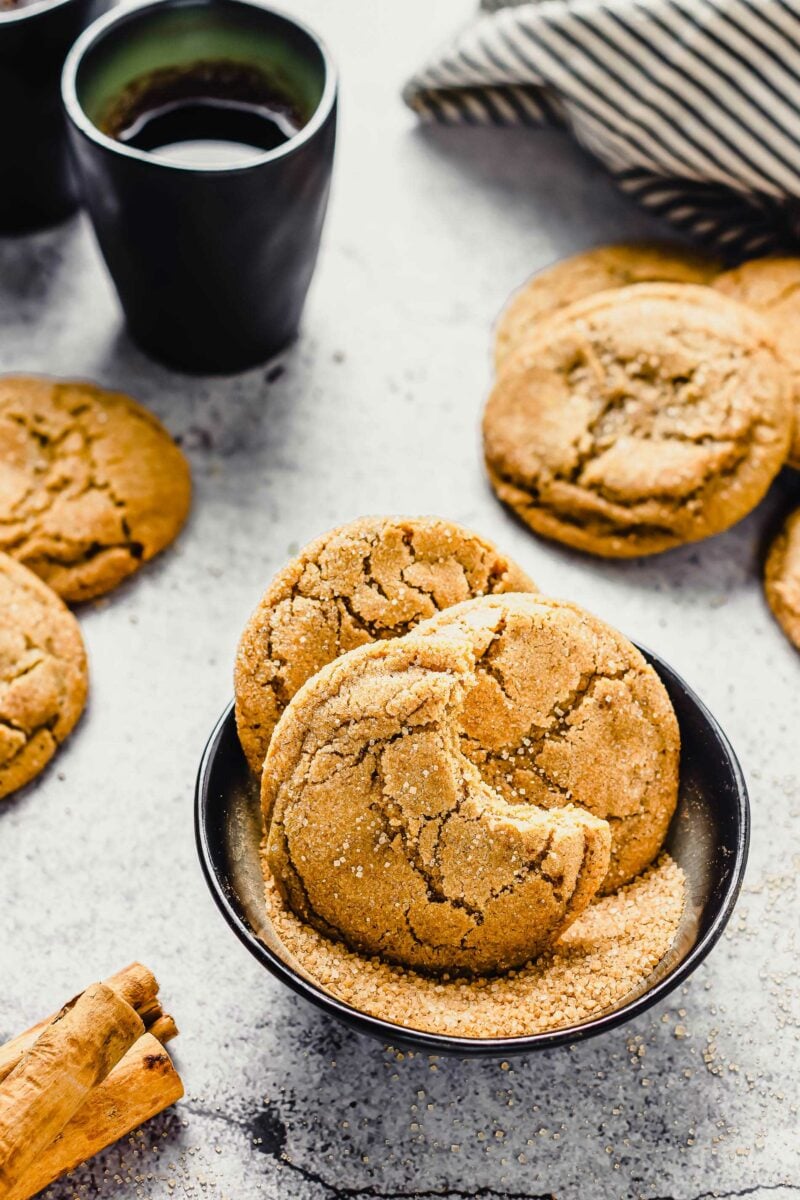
[53, 1078]
[135, 983]
[142, 1084]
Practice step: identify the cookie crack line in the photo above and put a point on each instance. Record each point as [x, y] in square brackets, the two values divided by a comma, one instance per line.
[376, 631]
[372, 580]
[28, 734]
[621, 400]
[30, 647]
[299, 883]
[533, 500]
[84, 555]
[394, 826]
[539, 736]
[533, 485]
[51, 445]
[534, 866]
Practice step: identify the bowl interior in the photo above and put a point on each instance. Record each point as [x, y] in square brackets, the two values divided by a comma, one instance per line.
[708, 839]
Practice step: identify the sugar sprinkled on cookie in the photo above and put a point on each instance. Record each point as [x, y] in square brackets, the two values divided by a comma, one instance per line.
[372, 579]
[566, 710]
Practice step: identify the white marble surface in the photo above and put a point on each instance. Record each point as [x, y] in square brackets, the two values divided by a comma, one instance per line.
[377, 410]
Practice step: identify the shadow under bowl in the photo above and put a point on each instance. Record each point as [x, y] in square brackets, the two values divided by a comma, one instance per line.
[708, 838]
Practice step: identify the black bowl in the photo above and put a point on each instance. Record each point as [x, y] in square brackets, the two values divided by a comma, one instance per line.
[708, 837]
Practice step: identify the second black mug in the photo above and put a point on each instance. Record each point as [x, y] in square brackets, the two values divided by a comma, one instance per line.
[211, 245]
[37, 183]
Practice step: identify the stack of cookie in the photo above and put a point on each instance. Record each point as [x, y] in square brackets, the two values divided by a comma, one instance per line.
[645, 399]
[91, 487]
[452, 765]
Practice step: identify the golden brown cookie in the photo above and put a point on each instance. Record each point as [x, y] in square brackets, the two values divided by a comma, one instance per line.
[772, 287]
[374, 578]
[384, 834]
[43, 674]
[567, 711]
[91, 484]
[593, 271]
[782, 578]
[639, 419]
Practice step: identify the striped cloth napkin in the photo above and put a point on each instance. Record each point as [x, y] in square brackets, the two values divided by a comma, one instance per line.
[693, 105]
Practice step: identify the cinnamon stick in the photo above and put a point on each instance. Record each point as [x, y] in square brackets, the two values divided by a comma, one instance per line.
[164, 1029]
[142, 1084]
[135, 983]
[55, 1076]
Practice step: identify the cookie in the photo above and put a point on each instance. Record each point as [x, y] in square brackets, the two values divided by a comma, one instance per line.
[567, 711]
[782, 578]
[772, 287]
[383, 834]
[639, 419]
[43, 674]
[91, 484]
[593, 271]
[374, 578]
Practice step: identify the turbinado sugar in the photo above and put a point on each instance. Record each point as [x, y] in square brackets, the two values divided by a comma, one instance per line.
[601, 959]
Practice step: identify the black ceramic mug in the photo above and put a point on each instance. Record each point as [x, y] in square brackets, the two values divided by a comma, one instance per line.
[211, 257]
[37, 185]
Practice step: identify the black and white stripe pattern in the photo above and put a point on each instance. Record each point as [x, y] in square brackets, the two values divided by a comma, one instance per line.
[694, 105]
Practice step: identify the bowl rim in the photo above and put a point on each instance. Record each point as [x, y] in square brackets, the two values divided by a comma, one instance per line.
[439, 1043]
[127, 13]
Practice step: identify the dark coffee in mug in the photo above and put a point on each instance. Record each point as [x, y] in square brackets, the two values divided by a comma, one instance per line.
[204, 133]
[211, 112]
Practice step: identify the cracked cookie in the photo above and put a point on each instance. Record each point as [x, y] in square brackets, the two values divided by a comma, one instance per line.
[639, 419]
[566, 710]
[382, 833]
[91, 484]
[772, 287]
[374, 578]
[43, 674]
[583, 275]
[782, 578]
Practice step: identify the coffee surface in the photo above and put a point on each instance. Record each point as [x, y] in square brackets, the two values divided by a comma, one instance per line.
[210, 113]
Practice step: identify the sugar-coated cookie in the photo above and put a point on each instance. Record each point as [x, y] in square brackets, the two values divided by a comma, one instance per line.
[384, 834]
[91, 484]
[772, 287]
[782, 578]
[640, 419]
[43, 674]
[567, 711]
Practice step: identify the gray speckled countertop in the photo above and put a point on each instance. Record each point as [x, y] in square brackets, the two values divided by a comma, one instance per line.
[376, 409]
